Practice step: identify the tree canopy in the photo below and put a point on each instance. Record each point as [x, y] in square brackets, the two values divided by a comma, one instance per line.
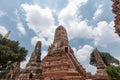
[106, 57]
[113, 72]
[10, 51]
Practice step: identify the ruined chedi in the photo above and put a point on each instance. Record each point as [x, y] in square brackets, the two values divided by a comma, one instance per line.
[116, 11]
[101, 73]
[60, 62]
[33, 69]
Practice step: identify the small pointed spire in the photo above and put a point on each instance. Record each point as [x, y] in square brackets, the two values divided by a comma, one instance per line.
[36, 55]
[100, 63]
[7, 34]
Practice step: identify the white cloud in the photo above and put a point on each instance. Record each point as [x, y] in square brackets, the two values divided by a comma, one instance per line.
[21, 28]
[68, 14]
[83, 52]
[46, 37]
[38, 19]
[41, 21]
[20, 25]
[44, 53]
[82, 30]
[98, 12]
[68, 18]
[91, 69]
[3, 30]
[42, 39]
[2, 13]
[104, 34]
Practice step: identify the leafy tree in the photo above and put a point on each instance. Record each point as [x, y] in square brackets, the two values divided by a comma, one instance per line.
[89, 73]
[106, 57]
[113, 72]
[10, 52]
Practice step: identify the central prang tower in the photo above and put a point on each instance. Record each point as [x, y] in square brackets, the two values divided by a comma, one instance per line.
[60, 41]
[60, 62]
[60, 37]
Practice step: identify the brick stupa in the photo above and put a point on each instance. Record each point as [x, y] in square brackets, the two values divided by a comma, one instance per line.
[60, 62]
[33, 69]
[101, 74]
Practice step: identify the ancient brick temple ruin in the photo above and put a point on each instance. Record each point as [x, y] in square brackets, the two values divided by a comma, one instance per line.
[60, 62]
[116, 10]
[101, 74]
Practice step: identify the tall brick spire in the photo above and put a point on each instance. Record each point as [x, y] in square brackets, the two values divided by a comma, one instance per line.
[36, 55]
[34, 65]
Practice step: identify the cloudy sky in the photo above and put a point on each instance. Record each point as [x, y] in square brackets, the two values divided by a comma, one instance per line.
[89, 24]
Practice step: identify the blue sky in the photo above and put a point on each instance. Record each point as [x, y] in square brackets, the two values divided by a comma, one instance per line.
[89, 24]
